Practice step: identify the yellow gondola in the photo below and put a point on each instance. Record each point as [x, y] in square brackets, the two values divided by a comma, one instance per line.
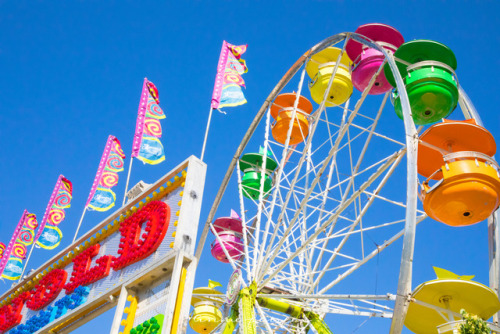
[439, 301]
[320, 69]
[206, 315]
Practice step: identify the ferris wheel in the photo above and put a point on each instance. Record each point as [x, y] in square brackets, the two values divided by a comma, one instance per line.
[335, 184]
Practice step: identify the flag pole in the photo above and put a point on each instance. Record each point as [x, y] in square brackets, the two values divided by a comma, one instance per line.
[27, 260]
[206, 133]
[80, 223]
[128, 179]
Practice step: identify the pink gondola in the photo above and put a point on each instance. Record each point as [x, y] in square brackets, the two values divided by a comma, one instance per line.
[229, 230]
[367, 61]
[233, 245]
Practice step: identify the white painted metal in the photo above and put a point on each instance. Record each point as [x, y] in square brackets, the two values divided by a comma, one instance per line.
[343, 185]
[191, 206]
[206, 133]
[187, 294]
[316, 214]
[128, 180]
[120, 307]
[79, 224]
[169, 308]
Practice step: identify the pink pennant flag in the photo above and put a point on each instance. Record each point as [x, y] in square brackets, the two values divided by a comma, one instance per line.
[147, 146]
[234, 215]
[23, 236]
[228, 81]
[49, 235]
[101, 197]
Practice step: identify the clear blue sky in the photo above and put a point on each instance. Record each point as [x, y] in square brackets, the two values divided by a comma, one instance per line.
[72, 71]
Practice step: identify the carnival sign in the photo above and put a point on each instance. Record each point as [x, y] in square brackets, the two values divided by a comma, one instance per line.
[134, 250]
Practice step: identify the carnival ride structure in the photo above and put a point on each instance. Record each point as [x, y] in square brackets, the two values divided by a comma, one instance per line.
[329, 192]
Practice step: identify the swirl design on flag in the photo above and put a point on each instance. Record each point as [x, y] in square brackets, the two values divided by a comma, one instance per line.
[19, 250]
[118, 149]
[228, 83]
[237, 66]
[56, 216]
[66, 185]
[153, 127]
[154, 110]
[234, 66]
[231, 77]
[148, 150]
[153, 91]
[114, 163]
[31, 221]
[2, 249]
[109, 179]
[237, 50]
[63, 199]
[26, 237]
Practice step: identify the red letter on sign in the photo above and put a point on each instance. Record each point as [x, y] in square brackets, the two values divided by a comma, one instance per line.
[82, 275]
[156, 215]
[47, 290]
[10, 315]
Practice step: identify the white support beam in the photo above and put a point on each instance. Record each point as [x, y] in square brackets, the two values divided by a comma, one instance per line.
[120, 307]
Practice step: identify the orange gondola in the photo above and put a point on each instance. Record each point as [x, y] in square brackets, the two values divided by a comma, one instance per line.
[457, 154]
[282, 112]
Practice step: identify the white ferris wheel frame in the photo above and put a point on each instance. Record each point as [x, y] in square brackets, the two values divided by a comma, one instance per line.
[411, 219]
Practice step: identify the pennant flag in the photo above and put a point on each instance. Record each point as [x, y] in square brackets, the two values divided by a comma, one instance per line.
[147, 146]
[234, 215]
[49, 235]
[213, 284]
[13, 269]
[101, 197]
[228, 82]
[11, 265]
